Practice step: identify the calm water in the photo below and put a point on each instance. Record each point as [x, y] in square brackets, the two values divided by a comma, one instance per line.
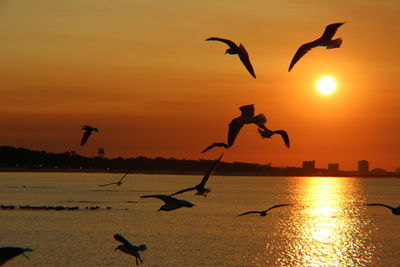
[327, 226]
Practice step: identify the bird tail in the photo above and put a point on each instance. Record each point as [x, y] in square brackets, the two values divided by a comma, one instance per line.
[335, 43]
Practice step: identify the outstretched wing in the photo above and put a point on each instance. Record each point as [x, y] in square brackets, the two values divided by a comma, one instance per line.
[244, 57]
[214, 145]
[330, 31]
[183, 191]
[127, 172]
[301, 52]
[277, 206]
[249, 212]
[210, 171]
[285, 137]
[107, 184]
[164, 198]
[121, 239]
[85, 137]
[226, 41]
[234, 129]
[379, 204]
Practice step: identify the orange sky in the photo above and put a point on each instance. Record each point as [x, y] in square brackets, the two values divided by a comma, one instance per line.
[141, 72]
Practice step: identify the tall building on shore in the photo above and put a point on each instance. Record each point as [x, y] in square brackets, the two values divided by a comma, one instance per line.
[309, 165]
[363, 166]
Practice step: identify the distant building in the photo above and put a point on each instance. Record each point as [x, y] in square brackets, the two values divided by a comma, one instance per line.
[333, 167]
[309, 165]
[363, 166]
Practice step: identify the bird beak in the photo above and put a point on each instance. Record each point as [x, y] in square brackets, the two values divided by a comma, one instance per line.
[158, 209]
[116, 248]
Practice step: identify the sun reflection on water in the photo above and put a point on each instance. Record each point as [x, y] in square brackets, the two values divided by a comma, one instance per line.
[326, 228]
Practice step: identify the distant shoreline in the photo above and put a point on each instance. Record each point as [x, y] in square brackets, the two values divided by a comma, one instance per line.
[57, 170]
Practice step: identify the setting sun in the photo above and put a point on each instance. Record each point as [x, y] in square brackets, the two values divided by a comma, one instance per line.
[326, 85]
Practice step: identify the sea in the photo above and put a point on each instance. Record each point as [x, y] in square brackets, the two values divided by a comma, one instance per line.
[327, 224]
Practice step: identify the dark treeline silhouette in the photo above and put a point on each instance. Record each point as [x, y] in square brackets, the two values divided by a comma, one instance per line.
[22, 159]
[12, 158]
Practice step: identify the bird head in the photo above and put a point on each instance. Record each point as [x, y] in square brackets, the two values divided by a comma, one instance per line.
[229, 51]
[160, 209]
[142, 247]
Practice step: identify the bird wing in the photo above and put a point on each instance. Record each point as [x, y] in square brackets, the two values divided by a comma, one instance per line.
[301, 52]
[121, 239]
[234, 129]
[379, 204]
[244, 57]
[107, 184]
[127, 172]
[277, 206]
[164, 198]
[87, 127]
[85, 137]
[213, 145]
[183, 191]
[330, 31]
[210, 171]
[285, 137]
[248, 212]
[226, 41]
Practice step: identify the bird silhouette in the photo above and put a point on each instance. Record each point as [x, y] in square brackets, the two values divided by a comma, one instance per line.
[201, 190]
[88, 132]
[246, 117]
[263, 212]
[324, 40]
[8, 253]
[267, 133]
[236, 50]
[395, 211]
[171, 203]
[130, 249]
[119, 183]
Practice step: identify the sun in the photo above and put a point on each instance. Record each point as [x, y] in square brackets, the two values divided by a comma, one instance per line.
[326, 85]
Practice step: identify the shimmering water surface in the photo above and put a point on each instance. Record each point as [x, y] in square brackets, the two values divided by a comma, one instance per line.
[327, 225]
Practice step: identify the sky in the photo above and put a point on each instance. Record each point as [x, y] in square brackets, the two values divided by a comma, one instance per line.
[141, 72]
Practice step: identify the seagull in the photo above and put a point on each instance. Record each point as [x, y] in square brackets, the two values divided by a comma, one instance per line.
[119, 183]
[201, 190]
[239, 50]
[88, 131]
[130, 249]
[171, 203]
[324, 40]
[7, 253]
[267, 133]
[395, 211]
[263, 212]
[246, 117]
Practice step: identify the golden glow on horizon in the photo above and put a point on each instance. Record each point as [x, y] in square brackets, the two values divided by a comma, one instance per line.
[326, 85]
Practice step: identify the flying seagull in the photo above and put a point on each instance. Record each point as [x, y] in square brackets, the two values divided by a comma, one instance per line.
[239, 50]
[171, 203]
[201, 190]
[395, 211]
[324, 40]
[130, 249]
[88, 132]
[267, 133]
[246, 117]
[263, 212]
[7, 253]
[120, 180]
